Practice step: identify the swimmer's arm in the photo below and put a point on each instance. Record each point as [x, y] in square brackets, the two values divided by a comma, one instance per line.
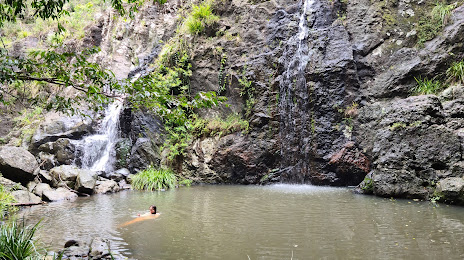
[141, 218]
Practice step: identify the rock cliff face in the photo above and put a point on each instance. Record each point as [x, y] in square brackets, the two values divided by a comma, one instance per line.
[325, 86]
[334, 86]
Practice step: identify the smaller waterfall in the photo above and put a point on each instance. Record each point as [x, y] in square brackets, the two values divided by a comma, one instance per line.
[295, 102]
[98, 151]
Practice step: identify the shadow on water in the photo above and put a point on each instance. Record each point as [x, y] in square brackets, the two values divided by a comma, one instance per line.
[270, 222]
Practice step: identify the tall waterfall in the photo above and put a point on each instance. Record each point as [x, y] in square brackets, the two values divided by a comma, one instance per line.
[98, 151]
[295, 102]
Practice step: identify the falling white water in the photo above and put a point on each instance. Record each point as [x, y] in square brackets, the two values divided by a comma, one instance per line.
[303, 30]
[303, 33]
[99, 149]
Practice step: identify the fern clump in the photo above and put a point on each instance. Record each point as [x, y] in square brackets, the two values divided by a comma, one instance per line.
[200, 17]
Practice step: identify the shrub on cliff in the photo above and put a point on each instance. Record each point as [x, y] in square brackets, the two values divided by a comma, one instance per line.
[200, 17]
[430, 26]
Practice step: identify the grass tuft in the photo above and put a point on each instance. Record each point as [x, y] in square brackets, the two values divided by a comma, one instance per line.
[154, 179]
[456, 71]
[427, 86]
[17, 241]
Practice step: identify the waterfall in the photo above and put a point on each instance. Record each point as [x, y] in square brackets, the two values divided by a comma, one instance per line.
[98, 151]
[295, 101]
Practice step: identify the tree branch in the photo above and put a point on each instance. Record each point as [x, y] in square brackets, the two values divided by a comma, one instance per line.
[61, 83]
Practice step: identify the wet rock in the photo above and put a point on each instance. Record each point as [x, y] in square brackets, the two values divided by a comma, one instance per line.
[17, 164]
[234, 159]
[451, 190]
[47, 161]
[457, 169]
[99, 248]
[59, 194]
[10, 185]
[70, 243]
[66, 174]
[85, 181]
[76, 252]
[123, 185]
[144, 153]
[454, 109]
[123, 151]
[45, 177]
[31, 186]
[64, 151]
[52, 131]
[350, 164]
[25, 197]
[106, 186]
[452, 92]
[117, 175]
[40, 188]
[123, 172]
[56, 153]
[145, 130]
[129, 178]
[410, 144]
[260, 119]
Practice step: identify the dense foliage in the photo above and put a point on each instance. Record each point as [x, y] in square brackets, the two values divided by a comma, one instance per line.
[66, 69]
[165, 91]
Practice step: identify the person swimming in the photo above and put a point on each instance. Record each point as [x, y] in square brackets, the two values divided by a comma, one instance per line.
[149, 215]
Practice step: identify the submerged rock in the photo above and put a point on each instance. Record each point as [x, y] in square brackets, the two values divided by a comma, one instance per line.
[99, 248]
[17, 164]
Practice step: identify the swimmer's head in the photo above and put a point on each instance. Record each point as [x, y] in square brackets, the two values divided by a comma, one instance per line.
[153, 209]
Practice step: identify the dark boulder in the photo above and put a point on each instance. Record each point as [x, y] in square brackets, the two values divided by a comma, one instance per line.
[17, 164]
[232, 159]
[51, 132]
[450, 190]
[144, 153]
[85, 181]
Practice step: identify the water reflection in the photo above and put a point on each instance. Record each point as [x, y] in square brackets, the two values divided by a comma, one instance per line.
[274, 222]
